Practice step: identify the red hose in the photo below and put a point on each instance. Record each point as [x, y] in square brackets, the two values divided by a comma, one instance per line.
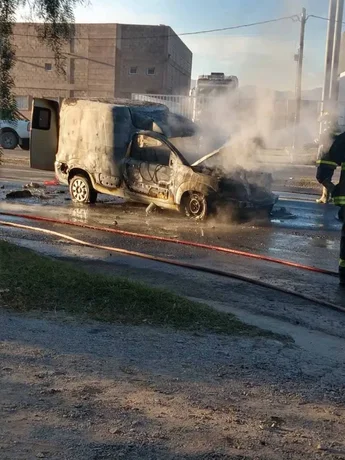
[175, 241]
[179, 264]
[51, 182]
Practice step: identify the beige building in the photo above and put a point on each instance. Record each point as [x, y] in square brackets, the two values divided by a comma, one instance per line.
[103, 60]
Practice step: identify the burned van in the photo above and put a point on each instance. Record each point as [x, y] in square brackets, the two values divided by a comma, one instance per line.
[127, 149]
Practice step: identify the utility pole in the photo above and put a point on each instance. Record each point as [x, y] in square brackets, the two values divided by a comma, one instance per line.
[299, 58]
[334, 88]
[329, 57]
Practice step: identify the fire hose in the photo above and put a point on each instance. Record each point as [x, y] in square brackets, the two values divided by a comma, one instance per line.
[176, 263]
[174, 241]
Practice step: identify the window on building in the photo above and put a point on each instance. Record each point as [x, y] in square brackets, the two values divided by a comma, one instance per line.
[133, 70]
[151, 70]
[48, 67]
[22, 102]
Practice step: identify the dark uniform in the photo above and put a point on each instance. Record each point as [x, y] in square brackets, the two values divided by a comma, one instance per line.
[329, 133]
[327, 163]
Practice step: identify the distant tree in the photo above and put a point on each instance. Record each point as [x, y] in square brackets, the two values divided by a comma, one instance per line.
[55, 27]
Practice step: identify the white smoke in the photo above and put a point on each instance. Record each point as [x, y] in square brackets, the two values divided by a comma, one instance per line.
[250, 129]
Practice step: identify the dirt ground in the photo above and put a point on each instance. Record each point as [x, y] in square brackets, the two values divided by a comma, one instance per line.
[97, 391]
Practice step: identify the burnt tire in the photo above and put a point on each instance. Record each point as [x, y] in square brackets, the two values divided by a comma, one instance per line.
[81, 190]
[8, 140]
[195, 206]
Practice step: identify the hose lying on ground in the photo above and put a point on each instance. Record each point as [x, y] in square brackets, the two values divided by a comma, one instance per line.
[176, 263]
[175, 241]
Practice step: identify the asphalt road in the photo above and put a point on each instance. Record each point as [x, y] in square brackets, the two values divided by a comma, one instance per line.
[310, 237]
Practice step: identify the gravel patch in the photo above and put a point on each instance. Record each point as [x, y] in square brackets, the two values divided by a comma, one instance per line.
[98, 391]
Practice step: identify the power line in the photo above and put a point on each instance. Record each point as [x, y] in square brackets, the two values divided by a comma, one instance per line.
[294, 18]
[324, 19]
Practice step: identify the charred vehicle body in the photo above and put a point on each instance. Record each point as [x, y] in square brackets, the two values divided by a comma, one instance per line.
[128, 149]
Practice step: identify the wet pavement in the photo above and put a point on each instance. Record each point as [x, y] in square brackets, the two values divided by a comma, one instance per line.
[310, 237]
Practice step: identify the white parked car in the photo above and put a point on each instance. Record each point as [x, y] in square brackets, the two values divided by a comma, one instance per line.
[14, 133]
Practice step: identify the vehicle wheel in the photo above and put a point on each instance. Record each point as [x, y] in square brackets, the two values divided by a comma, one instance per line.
[24, 144]
[195, 206]
[8, 140]
[81, 190]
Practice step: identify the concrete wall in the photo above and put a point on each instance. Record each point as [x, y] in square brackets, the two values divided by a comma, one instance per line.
[29, 73]
[178, 79]
[142, 47]
[90, 64]
[98, 62]
[155, 47]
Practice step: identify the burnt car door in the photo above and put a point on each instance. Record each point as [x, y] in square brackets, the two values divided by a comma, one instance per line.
[148, 167]
[44, 134]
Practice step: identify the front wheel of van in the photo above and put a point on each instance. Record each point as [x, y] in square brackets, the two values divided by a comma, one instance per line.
[81, 190]
[195, 206]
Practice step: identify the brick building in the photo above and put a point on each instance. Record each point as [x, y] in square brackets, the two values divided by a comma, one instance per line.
[103, 60]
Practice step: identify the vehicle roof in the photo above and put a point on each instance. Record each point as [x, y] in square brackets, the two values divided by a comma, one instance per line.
[118, 102]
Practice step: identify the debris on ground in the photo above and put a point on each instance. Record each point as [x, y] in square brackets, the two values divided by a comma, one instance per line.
[272, 422]
[32, 185]
[151, 208]
[282, 213]
[19, 194]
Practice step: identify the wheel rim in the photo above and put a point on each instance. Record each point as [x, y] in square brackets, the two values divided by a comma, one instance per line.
[6, 141]
[196, 206]
[79, 190]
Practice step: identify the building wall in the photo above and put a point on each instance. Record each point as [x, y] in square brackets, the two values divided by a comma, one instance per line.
[90, 64]
[143, 48]
[152, 47]
[179, 71]
[100, 62]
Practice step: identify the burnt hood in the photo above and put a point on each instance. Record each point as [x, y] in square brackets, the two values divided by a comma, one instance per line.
[162, 121]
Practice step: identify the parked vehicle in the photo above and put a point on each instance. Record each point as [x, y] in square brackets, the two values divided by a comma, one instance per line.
[122, 148]
[14, 133]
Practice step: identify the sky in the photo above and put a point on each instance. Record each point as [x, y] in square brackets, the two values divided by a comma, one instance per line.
[261, 55]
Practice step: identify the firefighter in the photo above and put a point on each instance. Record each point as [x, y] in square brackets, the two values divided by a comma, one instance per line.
[327, 163]
[327, 137]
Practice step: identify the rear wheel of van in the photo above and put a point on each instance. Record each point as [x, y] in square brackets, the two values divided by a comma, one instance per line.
[81, 190]
[195, 206]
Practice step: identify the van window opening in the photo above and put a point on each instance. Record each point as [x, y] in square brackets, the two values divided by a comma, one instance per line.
[150, 150]
[41, 118]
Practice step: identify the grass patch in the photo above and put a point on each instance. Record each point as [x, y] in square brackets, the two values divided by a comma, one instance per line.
[31, 282]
